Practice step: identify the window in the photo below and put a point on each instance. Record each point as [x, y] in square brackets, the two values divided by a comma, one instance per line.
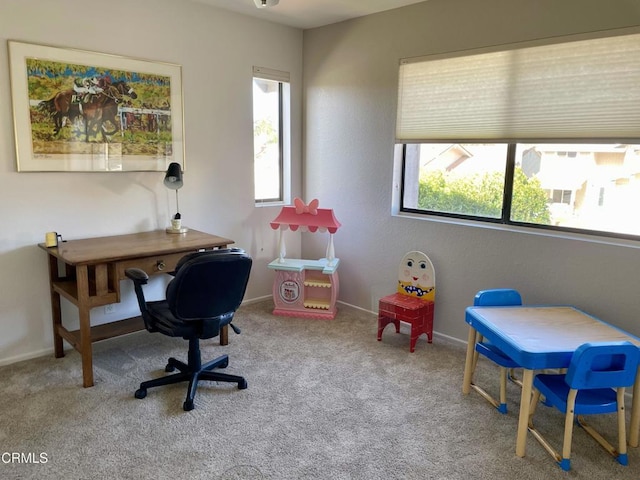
[527, 184]
[271, 133]
[539, 135]
[560, 196]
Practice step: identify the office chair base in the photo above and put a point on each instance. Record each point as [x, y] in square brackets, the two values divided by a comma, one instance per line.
[192, 374]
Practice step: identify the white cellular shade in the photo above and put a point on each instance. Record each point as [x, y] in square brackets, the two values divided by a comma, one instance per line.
[577, 90]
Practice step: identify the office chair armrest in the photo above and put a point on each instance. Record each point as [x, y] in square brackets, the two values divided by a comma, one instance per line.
[139, 278]
[138, 275]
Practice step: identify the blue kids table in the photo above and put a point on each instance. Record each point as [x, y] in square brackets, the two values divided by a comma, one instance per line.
[540, 337]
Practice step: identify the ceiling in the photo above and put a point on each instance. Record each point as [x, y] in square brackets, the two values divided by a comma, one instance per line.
[309, 13]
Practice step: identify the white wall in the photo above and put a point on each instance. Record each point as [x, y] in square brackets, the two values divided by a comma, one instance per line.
[350, 73]
[217, 50]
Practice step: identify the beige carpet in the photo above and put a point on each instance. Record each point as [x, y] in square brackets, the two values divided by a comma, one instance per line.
[325, 401]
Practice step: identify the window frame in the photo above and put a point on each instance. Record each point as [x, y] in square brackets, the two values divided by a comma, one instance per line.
[284, 134]
[504, 218]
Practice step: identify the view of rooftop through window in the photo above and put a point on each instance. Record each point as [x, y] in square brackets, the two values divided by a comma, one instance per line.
[592, 187]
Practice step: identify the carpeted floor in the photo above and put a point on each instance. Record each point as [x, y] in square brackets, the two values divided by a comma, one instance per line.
[325, 401]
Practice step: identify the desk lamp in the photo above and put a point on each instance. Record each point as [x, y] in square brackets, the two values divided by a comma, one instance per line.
[173, 181]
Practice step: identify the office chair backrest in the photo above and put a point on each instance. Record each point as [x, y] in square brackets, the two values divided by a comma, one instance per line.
[497, 297]
[209, 284]
[602, 365]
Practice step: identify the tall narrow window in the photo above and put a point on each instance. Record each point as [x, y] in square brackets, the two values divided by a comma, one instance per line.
[271, 129]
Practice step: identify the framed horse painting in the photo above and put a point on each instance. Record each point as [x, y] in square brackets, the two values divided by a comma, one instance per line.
[80, 111]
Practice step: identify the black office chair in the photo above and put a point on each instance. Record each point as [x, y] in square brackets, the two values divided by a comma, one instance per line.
[205, 293]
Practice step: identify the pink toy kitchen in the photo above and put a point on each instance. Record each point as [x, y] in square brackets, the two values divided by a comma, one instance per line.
[305, 288]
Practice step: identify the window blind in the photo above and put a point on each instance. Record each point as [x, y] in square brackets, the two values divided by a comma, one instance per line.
[570, 91]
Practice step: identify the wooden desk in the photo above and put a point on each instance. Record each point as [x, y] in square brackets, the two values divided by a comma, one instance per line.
[540, 337]
[88, 273]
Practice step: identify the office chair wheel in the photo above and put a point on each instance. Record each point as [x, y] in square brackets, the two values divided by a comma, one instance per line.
[242, 385]
[169, 368]
[188, 405]
[141, 393]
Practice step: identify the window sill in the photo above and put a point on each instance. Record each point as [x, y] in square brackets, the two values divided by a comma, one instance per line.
[270, 204]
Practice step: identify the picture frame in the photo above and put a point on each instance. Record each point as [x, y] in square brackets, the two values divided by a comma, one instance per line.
[82, 111]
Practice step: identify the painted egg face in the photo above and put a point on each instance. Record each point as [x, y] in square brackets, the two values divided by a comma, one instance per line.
[416, 276]
[415, 269]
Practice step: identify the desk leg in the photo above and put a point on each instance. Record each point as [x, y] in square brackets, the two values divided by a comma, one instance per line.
[56, 315]
[634, 426]
[84, 309]
[523, 419]
[468, 363]
[56, 311]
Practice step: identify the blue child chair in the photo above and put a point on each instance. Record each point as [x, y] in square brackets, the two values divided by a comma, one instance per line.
[497, 297]
[594, 384]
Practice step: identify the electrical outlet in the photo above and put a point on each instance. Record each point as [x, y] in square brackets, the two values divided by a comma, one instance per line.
[109, 309]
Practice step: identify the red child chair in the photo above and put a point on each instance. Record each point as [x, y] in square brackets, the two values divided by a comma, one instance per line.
[414, 301]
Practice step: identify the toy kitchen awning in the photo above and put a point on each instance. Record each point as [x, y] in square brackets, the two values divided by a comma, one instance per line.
[309, 217]
[306, 218]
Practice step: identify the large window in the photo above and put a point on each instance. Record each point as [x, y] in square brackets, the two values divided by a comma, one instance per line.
[576, 187]
[540, 135]
[271, 135]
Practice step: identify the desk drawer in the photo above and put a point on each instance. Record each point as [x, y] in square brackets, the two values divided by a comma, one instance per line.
[152, 265]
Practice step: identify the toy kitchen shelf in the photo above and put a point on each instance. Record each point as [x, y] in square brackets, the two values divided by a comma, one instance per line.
[306, 288]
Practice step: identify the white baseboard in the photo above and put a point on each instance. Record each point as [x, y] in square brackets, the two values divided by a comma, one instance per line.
[25, 356]
[256, 300]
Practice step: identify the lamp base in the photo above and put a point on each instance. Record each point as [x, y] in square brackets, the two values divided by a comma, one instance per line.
[177, 230]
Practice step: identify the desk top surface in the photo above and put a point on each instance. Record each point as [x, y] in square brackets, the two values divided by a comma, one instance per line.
[542, 336]
[134, 245]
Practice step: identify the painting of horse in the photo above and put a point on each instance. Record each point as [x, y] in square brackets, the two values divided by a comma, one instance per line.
[76, 110]
[99, 112]
[60, 108]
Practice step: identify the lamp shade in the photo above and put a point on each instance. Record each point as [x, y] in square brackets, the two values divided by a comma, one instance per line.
[265, 3]
[173, 177]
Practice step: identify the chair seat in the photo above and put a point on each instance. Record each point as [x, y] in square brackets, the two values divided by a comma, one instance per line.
[402, 306]
[588, 402]
[163, 321]
[396, 308]
[495, 354]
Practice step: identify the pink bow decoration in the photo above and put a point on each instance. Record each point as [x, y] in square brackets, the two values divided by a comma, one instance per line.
[312, 208]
